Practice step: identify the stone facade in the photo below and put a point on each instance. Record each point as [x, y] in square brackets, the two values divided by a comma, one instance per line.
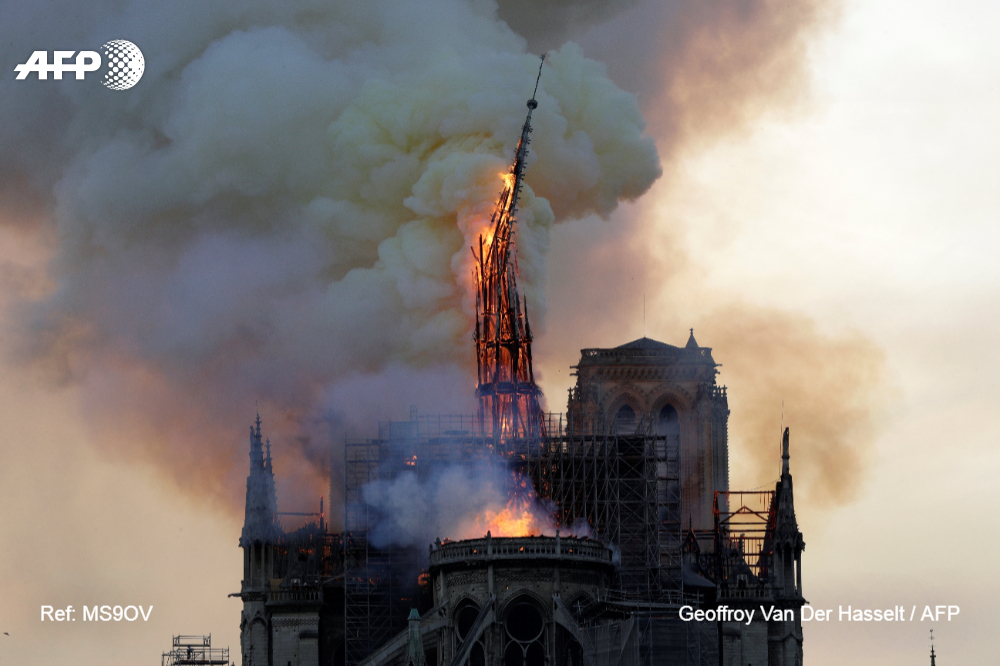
[669, 390]
[556, 601]
[512, 600]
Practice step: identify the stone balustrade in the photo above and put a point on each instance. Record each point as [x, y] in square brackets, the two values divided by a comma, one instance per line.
[528, 548]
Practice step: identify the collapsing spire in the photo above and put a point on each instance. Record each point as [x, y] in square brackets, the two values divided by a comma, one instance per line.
[508, 395]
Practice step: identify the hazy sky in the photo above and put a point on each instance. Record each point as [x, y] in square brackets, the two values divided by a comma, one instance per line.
[823, 211]
[874, 208]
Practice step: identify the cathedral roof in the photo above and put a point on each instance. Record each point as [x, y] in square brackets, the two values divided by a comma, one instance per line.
[693, 579]
[646, 351]
[646, 343]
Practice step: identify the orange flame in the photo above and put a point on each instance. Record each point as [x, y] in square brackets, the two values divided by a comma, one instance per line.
[518, 519]
[486, 230]
[508, 180]
[524, 515]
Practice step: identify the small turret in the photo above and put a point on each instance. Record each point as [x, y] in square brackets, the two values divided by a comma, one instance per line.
[260, 523]
[260, 535]
[414, 643]
[788, 543]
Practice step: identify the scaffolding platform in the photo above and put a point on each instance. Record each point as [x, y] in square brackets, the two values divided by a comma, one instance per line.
[195, 651]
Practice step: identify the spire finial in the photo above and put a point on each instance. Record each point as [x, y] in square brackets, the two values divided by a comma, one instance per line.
[932, 649]
[691, 343]
[784, 453]
[535, 91]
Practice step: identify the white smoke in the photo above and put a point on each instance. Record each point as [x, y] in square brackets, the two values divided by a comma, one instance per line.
[460, 501]
[285, 203]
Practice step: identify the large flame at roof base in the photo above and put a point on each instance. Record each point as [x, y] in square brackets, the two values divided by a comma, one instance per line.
[524, 515]
[461, 501]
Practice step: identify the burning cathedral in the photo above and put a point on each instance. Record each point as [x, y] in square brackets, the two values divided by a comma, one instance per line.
[634, 475]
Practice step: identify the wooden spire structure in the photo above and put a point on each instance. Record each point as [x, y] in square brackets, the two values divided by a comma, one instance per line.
[508, 396]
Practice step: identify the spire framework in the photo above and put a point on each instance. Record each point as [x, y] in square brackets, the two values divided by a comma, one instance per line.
[508, 396]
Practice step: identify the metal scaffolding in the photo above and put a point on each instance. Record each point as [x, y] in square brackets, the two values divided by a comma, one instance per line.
[622, 480]
[195, 651]
[743, 547]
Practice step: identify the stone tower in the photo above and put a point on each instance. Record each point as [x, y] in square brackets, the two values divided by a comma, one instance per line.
[669, 390]
[784, 633]
[284, 612]
[258, 540]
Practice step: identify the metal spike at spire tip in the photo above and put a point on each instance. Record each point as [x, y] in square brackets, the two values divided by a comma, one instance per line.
[535, 91]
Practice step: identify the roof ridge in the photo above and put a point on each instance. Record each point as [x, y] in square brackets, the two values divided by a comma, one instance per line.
[646, 343]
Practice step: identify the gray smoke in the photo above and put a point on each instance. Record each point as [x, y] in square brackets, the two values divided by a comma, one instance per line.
[546, 24]
[280, 212]
[459, 501]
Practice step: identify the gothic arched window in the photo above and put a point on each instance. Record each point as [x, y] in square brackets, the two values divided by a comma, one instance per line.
[465, 617]
[525, 635]
[625, 420]
[667, 422]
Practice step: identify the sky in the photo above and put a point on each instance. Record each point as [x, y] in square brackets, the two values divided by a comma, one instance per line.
[824, 221]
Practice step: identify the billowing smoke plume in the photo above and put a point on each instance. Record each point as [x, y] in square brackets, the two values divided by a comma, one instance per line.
[460, 501]
[713, 70]
[828, 389]
[547, 23]
[731, 63]
[282, 211]
[834, 383]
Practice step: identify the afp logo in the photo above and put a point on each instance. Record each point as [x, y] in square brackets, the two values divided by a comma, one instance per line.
[125, 64]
